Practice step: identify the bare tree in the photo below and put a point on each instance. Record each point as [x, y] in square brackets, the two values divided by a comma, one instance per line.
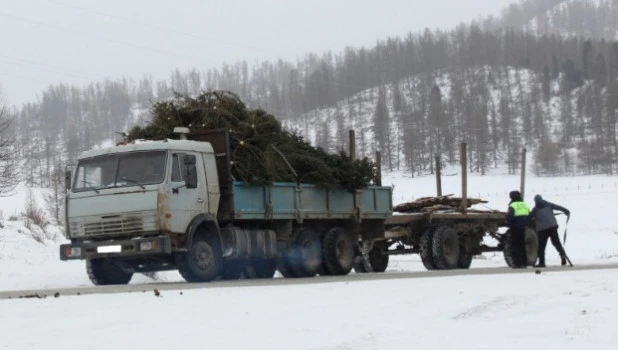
[9, 162]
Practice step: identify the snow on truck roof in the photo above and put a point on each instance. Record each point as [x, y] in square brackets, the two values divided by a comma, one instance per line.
[142, 145]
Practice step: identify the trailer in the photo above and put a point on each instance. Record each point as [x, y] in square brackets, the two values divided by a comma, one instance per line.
[444, 238]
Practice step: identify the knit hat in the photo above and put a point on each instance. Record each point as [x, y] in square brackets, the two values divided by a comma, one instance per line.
[515, 195]
[538, 198]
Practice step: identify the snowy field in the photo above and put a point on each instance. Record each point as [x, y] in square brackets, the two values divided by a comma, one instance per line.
[555, 310]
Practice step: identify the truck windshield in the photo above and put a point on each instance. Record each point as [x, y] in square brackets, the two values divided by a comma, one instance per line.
[118, 170]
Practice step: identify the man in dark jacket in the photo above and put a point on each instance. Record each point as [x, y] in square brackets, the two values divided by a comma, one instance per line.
[547, 227]
[517, 220]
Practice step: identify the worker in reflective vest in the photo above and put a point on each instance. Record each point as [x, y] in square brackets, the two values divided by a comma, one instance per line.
[517, 220]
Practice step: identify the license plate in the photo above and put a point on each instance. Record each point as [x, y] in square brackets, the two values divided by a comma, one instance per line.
[109, 249]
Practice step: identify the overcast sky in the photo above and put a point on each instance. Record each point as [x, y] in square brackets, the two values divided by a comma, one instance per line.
[80, 41]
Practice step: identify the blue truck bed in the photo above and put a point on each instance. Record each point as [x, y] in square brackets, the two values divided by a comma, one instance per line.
[282, 200]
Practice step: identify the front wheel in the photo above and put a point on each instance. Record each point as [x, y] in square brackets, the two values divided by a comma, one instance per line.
[203, 261]
[106, 271]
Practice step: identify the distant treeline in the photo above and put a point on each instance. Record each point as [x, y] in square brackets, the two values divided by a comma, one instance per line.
[503, 84]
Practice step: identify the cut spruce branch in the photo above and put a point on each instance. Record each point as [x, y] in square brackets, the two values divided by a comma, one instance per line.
[261, 150]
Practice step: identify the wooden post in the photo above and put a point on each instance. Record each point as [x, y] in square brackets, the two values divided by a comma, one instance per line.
[464, 177]
[522, 184]
[352, 145]
[438, 176]
[379, 168]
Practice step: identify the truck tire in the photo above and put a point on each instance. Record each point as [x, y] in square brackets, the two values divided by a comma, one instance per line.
[284, 266]
[306, 253]
[377, 260]
[203, 261]
[338, 252]
[426, 248]
[105, 272]
[445, 248]
[465, 260]
[233, 269]
[261, 268]
[532, 246]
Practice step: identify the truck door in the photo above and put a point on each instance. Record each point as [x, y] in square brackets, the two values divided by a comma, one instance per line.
[183, 203]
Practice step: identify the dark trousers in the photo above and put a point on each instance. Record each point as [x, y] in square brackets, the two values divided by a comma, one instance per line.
[518, 239]
[550, 233]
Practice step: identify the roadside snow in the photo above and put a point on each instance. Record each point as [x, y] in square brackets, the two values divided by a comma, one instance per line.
[555, 310]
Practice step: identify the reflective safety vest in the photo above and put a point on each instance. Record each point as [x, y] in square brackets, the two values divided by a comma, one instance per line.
[520, 209]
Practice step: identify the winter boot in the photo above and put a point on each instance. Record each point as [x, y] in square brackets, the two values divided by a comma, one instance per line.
[563, 261]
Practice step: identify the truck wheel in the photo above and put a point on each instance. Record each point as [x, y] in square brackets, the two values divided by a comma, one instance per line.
[203, 261]
[426, 248]
[306, 256]
[261, 268]
[338, 251]
[445, 248]
[377, 260]
[284, 267]
[104, 272]
[233, 269]
[465, 260]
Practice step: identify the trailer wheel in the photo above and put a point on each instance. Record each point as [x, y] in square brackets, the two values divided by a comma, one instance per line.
[426, 248]
[377, 260]
[261, 268]
[233, 269]
[104, 272]
[306, 253]
[338, 251]
[532, 246]
[445, 248]
[465, 260]
[203, 261]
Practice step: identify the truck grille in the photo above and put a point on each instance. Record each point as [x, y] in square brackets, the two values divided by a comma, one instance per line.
[121, 224]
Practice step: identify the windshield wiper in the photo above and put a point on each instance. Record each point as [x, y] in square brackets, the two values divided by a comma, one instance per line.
[89, 185]
[133, 181]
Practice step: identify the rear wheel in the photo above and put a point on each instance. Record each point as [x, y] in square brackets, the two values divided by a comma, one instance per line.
[426, 248]
[106, 271]
[306, 253]
[445, 248]
[532, 249]
[233, 269]
[532, 246]
[261, 268]
[338, 251]
[203, 261]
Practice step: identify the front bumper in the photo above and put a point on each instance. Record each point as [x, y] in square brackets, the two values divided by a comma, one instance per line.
[122, 248]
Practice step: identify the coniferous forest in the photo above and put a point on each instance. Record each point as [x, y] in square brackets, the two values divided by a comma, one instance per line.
[543, 75]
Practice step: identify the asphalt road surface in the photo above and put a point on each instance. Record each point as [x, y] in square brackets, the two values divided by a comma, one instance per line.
[138, 288]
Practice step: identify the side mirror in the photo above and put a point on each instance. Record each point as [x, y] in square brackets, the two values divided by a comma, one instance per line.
[191, 175]
[67, 179]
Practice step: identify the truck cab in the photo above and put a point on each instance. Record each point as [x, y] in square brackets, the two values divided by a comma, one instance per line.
[138, 200]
